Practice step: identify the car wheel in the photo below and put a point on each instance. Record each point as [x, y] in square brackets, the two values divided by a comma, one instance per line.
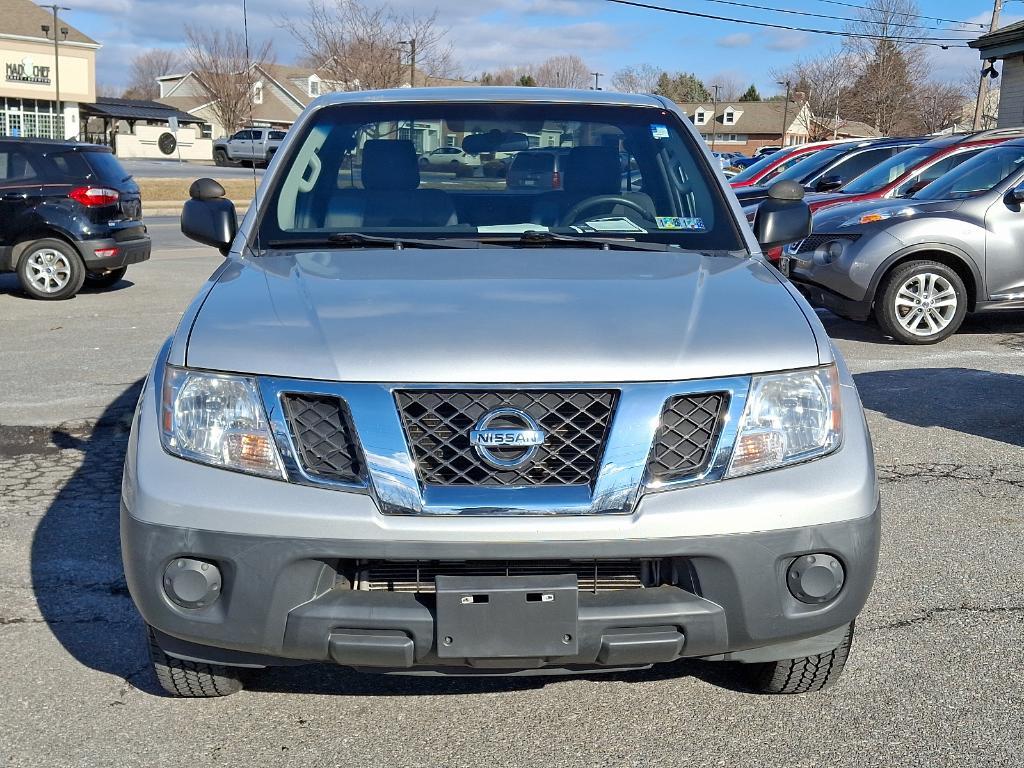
[105, 279]
[424, 162]
[921, 302]
[191, 679]
[50, 269]
[220, 157]
[803, 675]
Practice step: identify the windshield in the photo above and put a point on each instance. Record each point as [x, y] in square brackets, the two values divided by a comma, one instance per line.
[470, 170]
[811, 166]
[885, 173]
[976, 176]
[752, 171]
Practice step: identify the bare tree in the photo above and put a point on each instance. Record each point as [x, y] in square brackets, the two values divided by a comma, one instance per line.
[636, 79]
[888, 68]
[729, 87]
[825, 82]
[146, 67]
[941, 105]
[226, 70]
[562, 72]
[361, 46]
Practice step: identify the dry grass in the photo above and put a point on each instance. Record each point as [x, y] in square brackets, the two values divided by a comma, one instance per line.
[176, 190]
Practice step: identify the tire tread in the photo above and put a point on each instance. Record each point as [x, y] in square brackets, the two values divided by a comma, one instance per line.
[191, 679]
[806, 674]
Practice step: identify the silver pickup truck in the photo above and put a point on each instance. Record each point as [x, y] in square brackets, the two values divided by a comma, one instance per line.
[457, 428]
[249, 146]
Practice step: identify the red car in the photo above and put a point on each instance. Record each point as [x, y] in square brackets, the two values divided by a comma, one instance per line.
[912, 169]
[770, 166]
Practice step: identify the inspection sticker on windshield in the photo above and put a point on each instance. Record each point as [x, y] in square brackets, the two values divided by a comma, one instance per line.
[659, 131]
[677, 222]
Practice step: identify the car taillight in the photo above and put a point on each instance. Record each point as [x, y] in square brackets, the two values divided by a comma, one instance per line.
[92, 197]
[556, 180]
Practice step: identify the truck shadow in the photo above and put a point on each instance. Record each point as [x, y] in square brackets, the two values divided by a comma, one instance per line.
[975, 402]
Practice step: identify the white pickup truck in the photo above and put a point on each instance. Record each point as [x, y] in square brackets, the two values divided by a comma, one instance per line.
[250, 145]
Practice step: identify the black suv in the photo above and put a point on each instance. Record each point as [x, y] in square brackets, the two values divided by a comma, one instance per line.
[70, 215]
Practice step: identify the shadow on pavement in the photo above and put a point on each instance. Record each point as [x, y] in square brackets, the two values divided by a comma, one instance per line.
[76, 569]
[987, 323]
[974, 402]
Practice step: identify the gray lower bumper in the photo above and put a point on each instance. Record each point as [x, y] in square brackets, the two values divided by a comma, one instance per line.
[277, 605]
[127, 252]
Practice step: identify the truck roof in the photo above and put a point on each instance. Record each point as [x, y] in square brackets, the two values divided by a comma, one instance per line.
[492, 94]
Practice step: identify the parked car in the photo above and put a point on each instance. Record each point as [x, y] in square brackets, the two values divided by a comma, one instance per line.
[762, 151]
[410, 428]
[744, 162]
[764, 169]
[534, 169]
[70, 215]
[454, 159]
[831, 168]
[912, 169]
[253, 146]
[920, 265]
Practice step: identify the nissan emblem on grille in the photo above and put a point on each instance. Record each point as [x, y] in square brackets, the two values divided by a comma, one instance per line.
[506, 438]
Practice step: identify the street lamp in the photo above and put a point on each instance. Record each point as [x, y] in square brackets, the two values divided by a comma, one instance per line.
[412, 60]
[785, 109]
[714, 117]
[597, 79]
[59, 33]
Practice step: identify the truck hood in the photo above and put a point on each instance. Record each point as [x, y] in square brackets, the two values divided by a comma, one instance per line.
[499, 315]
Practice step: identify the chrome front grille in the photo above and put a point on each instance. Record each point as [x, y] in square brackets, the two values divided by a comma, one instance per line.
[437, 426]
[686, 436]
[417, 576]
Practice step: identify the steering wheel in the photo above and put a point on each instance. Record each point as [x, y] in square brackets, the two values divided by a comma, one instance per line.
[575, 213]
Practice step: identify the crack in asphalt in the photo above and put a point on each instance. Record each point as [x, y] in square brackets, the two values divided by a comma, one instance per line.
[1007, 474]
[943, 610]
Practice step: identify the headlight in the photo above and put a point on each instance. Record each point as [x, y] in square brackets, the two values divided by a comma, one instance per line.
[881, 214]
[789, 418]
[217, 419]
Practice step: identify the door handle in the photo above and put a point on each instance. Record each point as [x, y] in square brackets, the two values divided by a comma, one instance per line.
[14, 196]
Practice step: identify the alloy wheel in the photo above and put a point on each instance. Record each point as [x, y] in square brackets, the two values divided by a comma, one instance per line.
[49, 270]
[926, 304]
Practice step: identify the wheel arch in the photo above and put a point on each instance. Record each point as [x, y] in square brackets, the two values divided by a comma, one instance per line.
[944, 253]
[25, 239]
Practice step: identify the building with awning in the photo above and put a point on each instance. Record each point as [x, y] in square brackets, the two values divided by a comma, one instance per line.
[142, 128]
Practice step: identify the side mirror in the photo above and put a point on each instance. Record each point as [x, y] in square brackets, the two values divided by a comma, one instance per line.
[208, 217]
[1016, 195]
[784, 217]
[829, 183]
[914, 188]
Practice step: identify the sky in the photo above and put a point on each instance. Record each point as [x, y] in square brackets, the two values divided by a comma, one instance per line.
[508, 32]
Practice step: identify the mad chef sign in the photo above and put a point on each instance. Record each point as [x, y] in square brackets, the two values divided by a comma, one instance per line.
[27, 72]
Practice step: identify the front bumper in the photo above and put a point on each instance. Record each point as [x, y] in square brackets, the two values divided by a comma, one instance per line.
[280, 602]
[819, 296]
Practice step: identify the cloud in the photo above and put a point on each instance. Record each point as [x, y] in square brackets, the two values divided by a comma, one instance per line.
[786, 41]
[736, 40]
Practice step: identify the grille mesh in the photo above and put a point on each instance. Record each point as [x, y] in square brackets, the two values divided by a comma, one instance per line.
[324, 437]
[592, 575]
[686, 437]
[810, 243]
[438, 422]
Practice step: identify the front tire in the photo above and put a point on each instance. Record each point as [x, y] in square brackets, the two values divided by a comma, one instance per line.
[108, 279]
[921, 302]
[191, 679]
[220, 157]
[803, 675]
[50, 270]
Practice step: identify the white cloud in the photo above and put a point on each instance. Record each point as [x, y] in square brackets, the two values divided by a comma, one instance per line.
[786, 41]
[736, 40]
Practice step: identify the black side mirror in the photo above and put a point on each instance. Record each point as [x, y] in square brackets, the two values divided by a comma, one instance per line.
[829, 183]
[208, 217]
[1016, 195]
[784, 217]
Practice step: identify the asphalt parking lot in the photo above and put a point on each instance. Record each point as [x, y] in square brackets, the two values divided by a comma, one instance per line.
[934, 679]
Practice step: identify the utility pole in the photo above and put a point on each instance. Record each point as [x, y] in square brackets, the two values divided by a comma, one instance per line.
[785, 111]
[57, 32]
[979, 109]
[412, 60]
[597, 80]
[835, 125]
[714, 118]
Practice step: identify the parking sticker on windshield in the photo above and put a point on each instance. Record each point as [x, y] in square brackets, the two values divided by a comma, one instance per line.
[677, 222]
[659, 131]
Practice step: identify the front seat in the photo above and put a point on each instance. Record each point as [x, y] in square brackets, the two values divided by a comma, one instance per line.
[586, 172]
[390, 196]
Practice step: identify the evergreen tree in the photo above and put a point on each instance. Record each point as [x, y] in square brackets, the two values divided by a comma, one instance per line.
[751, 94]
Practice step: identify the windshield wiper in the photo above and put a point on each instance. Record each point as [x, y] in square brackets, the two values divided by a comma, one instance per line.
[543, 238]
[360, 240]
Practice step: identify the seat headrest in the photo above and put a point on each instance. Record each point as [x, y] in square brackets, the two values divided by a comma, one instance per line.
[593, 171]
[390, 165]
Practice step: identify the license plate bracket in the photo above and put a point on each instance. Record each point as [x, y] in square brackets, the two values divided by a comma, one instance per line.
[494, 617]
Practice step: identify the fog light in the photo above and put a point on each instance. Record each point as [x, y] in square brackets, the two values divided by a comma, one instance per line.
[192, 583]
[815, 578]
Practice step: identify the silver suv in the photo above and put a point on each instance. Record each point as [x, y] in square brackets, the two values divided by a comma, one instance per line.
[457, 428]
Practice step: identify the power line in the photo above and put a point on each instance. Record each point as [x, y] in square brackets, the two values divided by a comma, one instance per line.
[938, 42]
[739, 4]
[909, 15]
